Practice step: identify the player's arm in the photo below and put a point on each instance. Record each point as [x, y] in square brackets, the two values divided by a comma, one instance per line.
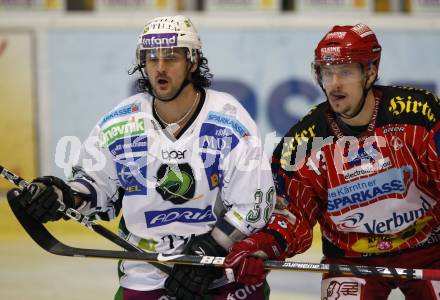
[247, 193]
[245, 256]
[288, 232]
[46, 194]
[429, 156]
[296, 211]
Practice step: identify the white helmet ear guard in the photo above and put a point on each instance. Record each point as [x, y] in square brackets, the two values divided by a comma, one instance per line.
[167, 32]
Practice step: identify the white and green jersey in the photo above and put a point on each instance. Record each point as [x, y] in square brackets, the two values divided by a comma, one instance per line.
[175, 188]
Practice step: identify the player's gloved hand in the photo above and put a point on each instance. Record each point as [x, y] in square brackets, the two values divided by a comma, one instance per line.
[43, 198]
[246, 257]
[191, 282]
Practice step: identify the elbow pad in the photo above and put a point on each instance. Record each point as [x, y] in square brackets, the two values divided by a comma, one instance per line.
[225, 234]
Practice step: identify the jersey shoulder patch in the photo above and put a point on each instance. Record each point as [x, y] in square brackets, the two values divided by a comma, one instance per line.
[302, 135]
[228, 122]
[411, 105]
[129, 106]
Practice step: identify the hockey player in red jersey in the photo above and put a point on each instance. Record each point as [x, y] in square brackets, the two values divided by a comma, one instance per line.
[364, 165]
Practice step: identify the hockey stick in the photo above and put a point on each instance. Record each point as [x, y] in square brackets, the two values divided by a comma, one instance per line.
[77, 216]
[48, 242]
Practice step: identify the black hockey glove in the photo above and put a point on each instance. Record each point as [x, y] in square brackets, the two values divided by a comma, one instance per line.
[43, 197]
[191, 282]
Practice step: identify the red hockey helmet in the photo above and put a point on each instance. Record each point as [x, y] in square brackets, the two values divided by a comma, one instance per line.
[348, 44]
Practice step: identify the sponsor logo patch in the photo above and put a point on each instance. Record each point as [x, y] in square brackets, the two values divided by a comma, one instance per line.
[407, 105]
[388, 182]
[342, 288]
[133, 144]
[173, 154]
[182, 215]
[330, 53]
[385, 243]
[391, 222]
[176, 183]
[132, 176]
[159, 40]
[121, 130]
[368, 153]
[121, 111]
[215, 144]
[366, 169]
[339, 35]
[228, 121]
[362, 30]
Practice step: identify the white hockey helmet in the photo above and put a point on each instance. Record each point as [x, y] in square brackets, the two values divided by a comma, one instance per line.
[167, 32]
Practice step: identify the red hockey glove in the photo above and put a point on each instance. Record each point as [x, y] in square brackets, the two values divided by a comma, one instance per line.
[246, 257]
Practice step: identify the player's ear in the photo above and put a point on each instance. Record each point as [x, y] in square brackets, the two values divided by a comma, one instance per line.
[372, 74]
[195, 64]
[194, 67]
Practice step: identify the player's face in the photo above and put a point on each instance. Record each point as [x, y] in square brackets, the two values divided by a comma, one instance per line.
[343, 85]
[166, 69]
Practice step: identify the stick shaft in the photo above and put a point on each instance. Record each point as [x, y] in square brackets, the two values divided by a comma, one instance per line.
[73, 214]
[48, 242]
[83, 220]
[13, 178]
[353, 269]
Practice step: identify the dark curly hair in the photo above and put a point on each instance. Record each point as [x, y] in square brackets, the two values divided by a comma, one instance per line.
[201, 77]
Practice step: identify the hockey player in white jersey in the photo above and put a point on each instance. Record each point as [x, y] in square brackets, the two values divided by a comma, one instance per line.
[184, 162]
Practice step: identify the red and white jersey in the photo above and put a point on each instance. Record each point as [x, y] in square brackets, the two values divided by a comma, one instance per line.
[374, 189]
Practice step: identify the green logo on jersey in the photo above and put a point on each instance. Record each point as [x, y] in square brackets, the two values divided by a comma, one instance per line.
[121, 130]
[176, 183]
[147, 245]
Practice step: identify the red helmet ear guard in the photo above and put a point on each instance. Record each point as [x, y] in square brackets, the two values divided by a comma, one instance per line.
[348, 44]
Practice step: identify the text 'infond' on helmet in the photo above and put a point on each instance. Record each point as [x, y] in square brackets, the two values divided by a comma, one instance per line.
[168, 32]
[347, 44]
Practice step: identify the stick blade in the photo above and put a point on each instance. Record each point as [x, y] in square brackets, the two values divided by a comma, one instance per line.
[38, 232]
